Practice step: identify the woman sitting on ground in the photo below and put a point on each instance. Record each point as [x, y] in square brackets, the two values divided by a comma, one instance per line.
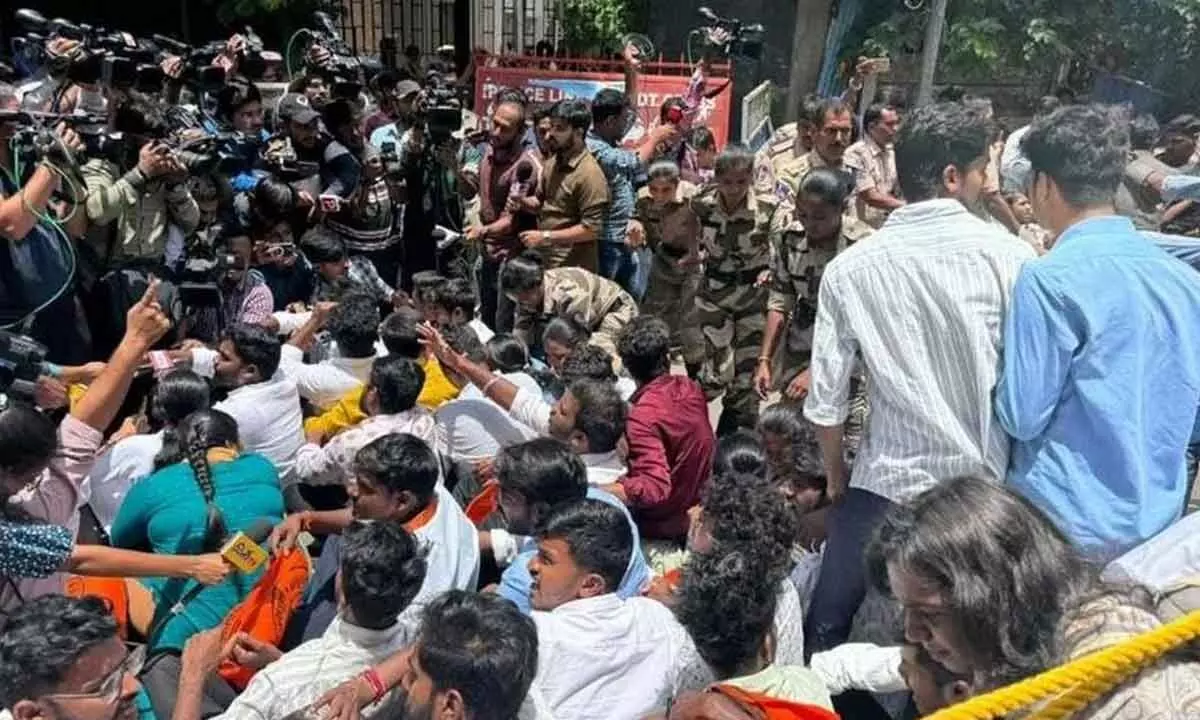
[994, 592]
[204, 491]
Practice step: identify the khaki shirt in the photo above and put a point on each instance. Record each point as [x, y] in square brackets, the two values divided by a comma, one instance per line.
[737, 244]
[791, 172]
[666, 224]
[143, 210]
[576, 294]
[796, 269]
[779, 149]
[874, 169]
[575, 192]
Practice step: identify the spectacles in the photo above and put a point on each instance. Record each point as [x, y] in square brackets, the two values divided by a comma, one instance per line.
[109, 691]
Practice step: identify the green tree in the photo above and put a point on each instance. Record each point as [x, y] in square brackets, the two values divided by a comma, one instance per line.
[1155, 41]
[595, 27]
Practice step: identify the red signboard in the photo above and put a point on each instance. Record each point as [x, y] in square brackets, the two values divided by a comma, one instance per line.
[542, 86]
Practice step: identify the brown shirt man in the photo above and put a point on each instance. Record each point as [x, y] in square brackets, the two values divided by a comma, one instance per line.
[574, 193]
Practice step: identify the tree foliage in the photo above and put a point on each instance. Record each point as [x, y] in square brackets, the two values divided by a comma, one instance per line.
[593, 27]
[1155, 41]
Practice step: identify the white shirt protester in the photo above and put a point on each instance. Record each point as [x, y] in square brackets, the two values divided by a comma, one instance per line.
[477, 428]
[333, 464]
[302, 676]
[326, 382]
[604, 658]
[122, 465]
[452, 562]
[922, 302]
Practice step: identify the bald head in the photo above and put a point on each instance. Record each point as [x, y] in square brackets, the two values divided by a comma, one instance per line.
[508, 124]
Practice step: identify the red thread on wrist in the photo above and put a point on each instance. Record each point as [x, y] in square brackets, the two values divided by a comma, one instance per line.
[376, 683]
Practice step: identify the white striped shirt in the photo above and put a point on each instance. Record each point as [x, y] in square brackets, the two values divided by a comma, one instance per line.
[923, 301]
[300, 677]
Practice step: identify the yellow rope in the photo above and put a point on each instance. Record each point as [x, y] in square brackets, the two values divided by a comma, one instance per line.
[1072, 687]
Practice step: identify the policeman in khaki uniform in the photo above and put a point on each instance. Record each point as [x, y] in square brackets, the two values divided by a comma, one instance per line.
[594, 303]
[804, 239]
[663, 215]
[833, 126]
[732, 232]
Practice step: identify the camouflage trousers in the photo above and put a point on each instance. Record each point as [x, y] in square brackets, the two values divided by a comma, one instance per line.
[670, 296]
[731, 317]
[611, 326]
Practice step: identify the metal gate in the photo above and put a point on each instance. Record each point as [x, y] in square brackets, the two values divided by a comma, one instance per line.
[428, 24]
[515, 26]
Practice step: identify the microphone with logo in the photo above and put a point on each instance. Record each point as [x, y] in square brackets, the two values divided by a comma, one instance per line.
[243, 551]
[522, 186]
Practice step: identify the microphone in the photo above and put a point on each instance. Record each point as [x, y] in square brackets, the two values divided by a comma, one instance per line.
[241, 551]
[520, 187]
[244, 550]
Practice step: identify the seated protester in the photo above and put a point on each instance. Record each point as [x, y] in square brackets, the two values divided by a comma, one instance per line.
[390, 401]
[559, 338]
[262, 399]
[506, 354]
[742, 513]
[396, 479]
[454, 305]
[339, 273]
[475, 427]
[41, 467]
[740, 452]
[590, 418]
[599, 655]
[536, 479]
[728, 605]
[594, 302]
[203, 491]
[175, 395]
[933, 686]
[475, 657]
[669, 435]
[594, 363]
[245, 296]
[526, 405]
[971, 533]
[398, 337]
[353, 324]
[795, 468]
[382, 568]
[61, 658]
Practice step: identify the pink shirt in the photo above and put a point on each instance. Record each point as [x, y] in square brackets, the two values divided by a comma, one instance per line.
[54, 498]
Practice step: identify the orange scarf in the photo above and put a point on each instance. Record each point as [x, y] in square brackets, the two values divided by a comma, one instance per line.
[424, 517]
[769, 708]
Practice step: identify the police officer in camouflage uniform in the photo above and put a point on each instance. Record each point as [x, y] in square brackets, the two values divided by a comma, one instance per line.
[732, 229]
[663, 216]
[805, 238]
[597, 304]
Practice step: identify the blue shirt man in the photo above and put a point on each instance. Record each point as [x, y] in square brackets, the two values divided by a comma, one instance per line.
[516, 583]
[1101, 384]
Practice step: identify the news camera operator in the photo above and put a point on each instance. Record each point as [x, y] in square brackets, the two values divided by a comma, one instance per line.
[440, 178]
[35, 264]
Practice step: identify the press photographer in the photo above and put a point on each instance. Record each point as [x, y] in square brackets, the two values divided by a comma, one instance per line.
[140, 211]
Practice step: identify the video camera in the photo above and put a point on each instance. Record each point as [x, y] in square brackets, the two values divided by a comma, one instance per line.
[199, 280]
[729, 37]
[21, 362]
[113, 58]
[439, 109]
[199, 71]
[343, 66]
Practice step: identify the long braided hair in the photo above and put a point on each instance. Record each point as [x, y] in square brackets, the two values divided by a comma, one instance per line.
[198, 433]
